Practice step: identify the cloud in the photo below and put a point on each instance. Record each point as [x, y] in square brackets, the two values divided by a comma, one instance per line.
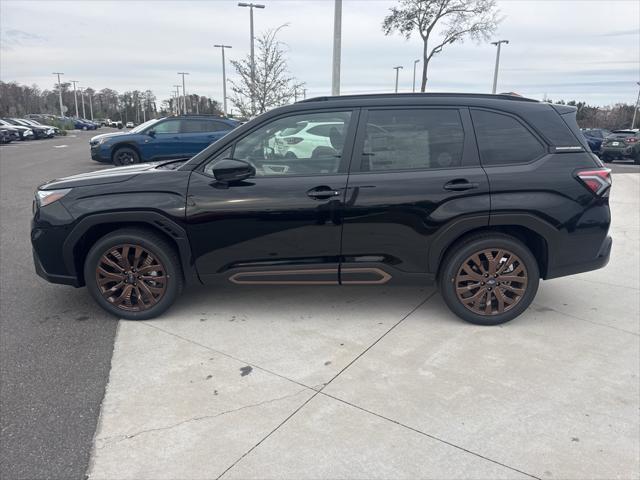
[621, 33]
[12, 38]
[139, 45]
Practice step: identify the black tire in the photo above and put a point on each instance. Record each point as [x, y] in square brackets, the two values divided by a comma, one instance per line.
[460, 252]
[160, 250]
[606, 158]
[125, 156]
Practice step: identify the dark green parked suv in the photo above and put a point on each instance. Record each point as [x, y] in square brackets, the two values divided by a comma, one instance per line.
[621, 144]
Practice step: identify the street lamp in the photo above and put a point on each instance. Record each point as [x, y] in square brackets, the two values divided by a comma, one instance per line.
[253, 61]
[495, 73]
[75, 97]
[84, 115]
[397, 69]
[184, 93]
[337, 46]
[59, 91]
[415, 62]
[224, 78]
[90, 105]
[177, 87]
[635, 111]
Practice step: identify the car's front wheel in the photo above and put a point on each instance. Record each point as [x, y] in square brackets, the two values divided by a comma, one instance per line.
[489, 278]
[134, 274]
[125, 156]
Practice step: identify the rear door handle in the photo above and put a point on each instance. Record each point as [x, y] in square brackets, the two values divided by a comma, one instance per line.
[460, 185]
[322, 193]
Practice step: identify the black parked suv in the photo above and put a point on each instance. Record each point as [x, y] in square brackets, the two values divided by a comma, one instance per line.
[483, 194]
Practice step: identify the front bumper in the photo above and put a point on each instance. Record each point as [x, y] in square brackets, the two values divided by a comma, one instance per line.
[100, 154]
[53, 278]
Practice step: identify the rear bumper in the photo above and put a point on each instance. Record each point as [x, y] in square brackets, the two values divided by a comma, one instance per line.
[600, 261]
[622, 152]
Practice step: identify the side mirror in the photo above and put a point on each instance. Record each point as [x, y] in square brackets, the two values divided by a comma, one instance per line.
[230, 170]
[152, 133]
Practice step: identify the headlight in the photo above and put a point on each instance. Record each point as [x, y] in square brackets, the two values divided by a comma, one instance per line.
[45, 197]
[28, 132]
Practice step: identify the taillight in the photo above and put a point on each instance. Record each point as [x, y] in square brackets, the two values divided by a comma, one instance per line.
[293, 140]
[598, 181]
[631, 139]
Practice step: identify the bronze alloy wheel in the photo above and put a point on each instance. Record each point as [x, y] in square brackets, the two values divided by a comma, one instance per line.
[491, 281]
[131, 278]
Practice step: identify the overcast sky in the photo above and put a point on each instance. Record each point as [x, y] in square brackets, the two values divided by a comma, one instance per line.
[586, 50]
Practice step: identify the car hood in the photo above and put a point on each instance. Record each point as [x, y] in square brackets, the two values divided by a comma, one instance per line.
[101, 177]
[106, 135]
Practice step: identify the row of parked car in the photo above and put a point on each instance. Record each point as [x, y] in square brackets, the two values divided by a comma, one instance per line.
[614, 145]
[38, 126]
[12, 129]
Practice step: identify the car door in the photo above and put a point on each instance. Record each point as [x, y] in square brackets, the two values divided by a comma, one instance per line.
[163, 140]
[284, 224]
[415, 180]
[198, 133]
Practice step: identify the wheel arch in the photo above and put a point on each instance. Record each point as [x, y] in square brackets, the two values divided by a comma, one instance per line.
[91, 228]
[535, 234]
[130, 145]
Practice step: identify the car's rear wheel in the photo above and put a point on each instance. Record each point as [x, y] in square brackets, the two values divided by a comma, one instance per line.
[125, 156]
[489, 278]
[133, 274]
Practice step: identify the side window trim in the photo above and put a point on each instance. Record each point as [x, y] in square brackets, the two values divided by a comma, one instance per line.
[355, 166]
[525, 125]
[347, 151]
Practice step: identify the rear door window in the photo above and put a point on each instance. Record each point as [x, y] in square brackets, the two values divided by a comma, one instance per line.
[198, 125]
[412, 139]
[504, 140]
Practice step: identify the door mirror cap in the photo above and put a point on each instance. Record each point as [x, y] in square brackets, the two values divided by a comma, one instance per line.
[230, 170]
[151, 133]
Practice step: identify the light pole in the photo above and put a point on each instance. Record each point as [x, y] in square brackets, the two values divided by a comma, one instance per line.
[253, 61]
[84, 115]
[495, 73]
[177, 87]
[337, 47]
[635, 111]
[415, 62]
[397, 69]
[184, 93]
[59, 91]
[90, 105]
[75, 97]
[224, 78]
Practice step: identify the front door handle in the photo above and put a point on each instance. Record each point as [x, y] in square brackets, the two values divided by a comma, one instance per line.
[460, 185]
[322, 193]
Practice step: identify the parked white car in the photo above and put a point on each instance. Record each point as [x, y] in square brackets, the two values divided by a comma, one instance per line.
[300, 141]
[129, 125]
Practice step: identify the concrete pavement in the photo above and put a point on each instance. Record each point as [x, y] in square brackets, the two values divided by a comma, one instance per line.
[383, 382]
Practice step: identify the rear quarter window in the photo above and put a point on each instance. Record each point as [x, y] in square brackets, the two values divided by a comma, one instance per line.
[504, 140]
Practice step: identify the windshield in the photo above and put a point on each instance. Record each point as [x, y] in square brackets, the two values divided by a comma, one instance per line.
[144, 125]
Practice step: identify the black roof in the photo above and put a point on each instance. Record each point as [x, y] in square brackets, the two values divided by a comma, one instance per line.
[375, 96]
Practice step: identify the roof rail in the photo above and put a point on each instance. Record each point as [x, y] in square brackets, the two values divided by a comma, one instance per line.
[501, 96]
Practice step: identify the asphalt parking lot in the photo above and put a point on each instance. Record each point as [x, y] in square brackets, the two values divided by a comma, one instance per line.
[338, 382]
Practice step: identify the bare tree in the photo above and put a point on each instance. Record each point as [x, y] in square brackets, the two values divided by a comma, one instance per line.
[273, 84]
[455, 20]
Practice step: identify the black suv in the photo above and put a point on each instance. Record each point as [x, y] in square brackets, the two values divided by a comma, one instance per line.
[483, 194]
